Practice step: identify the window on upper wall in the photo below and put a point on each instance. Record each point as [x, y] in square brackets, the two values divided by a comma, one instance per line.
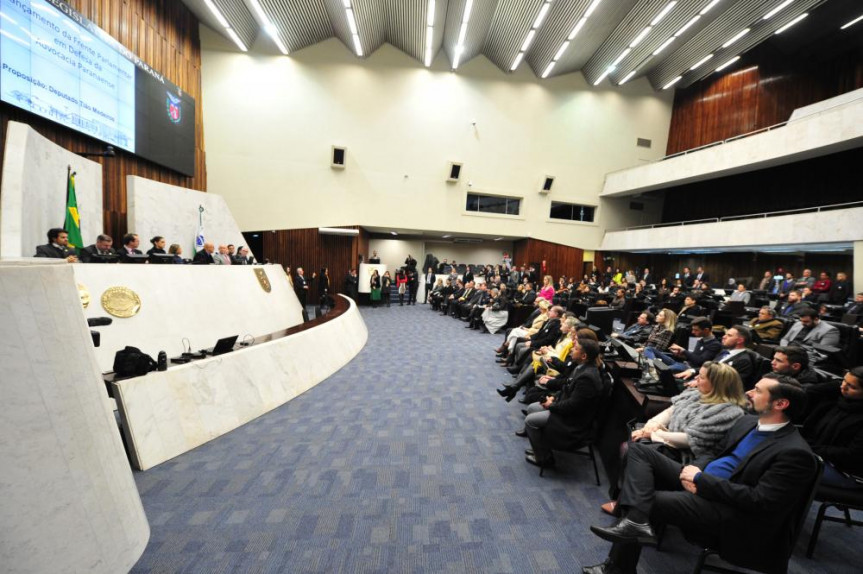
[493, 204]
[572, 211]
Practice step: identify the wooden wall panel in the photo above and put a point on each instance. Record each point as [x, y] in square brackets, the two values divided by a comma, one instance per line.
[560, 259]
[312, 251]
[722, 266]
[164, 34]
[757, 95]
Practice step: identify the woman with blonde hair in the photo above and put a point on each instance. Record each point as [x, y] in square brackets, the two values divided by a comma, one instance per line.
[663, 332]
[545, 361]
[547, 290]
[698, 419]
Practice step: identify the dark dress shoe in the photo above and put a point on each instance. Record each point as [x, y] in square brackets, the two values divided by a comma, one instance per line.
[523, 411]
[528, 452]
[524, 402]
[514, 370]
[521, 432]
[626, 532]
[607, 567]
[545, 463]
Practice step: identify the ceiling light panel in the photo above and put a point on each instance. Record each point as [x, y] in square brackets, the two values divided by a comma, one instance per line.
[267, 25]
[564, 18]
[239, 19]
[301, 23]
[481, 15]
[405, 25]
[719, 25]
[531, 35]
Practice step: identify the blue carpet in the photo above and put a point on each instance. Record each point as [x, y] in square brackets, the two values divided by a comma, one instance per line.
[403, 461]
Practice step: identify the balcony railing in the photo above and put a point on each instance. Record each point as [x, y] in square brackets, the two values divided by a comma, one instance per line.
[764, 215]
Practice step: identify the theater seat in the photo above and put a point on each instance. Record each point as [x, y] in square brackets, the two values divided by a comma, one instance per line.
[843, 499]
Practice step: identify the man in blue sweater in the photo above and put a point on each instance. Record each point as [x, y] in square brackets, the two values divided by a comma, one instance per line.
[740, 502]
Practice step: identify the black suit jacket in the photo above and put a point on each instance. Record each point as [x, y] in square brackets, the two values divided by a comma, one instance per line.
[574, 409]
[704, 351]
[548, 334]
[52, 252]
[760, 495]
[744, 364]
[202, 258]
[529, 298]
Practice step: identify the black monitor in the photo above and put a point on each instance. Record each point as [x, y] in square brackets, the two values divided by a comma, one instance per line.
[134, 258]
[626, 352]
[163, 258]
[106, 258]
[602, 317]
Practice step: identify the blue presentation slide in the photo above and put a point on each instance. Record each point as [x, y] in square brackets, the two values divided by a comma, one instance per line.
[54, 67]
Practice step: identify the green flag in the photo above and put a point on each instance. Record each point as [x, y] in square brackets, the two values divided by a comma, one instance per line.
[73, 220]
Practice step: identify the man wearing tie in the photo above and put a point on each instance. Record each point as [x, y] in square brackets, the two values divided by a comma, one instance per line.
[130, 246]
[735, 354]
[101, 247]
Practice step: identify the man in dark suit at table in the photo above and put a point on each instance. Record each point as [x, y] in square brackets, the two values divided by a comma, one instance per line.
[102, 247]
[57, 246]
[205, 255]
[740, 502]
[130, 246]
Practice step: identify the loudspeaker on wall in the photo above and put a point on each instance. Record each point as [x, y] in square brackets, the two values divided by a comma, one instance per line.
[454, 171]
[547, 182]
[338, 156]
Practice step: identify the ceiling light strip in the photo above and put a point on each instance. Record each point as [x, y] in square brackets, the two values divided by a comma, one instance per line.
[736, 37]
[224, 24]
[636, 41]
[352, 25]
[563, 47]
[268, 26]
[852, 22]
[430, 17]
[672, 82]
[537, 22]
[778, 9]
[459, 48]
[792, 22]
[728, 63]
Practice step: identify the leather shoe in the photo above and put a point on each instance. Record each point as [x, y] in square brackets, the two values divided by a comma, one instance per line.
[547, 463]
[607, 567]
[626, 532]
[523, 411]
[514, 370]
[521, 432]
[611, 508]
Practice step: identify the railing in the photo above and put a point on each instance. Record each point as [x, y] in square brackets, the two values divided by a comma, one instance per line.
[725, 141]
[764, 215]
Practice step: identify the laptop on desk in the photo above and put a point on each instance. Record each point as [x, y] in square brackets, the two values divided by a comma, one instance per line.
[223, 346]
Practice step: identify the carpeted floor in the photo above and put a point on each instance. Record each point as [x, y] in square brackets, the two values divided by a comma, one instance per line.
[404, 461]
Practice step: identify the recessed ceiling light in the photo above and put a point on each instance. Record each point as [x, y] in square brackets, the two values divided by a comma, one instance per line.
[699, 63]
[736, 37]
[852, 22]
[672, 82]
[777, 10]
[728, 63]
[791, 23]
[626, 78]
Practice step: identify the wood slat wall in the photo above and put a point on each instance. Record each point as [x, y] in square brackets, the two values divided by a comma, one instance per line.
[753, 97]
[721, 266]
[312, 251]
[560, 259]
[164, 34]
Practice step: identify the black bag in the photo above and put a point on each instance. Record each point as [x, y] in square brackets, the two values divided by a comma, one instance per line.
[131, 362]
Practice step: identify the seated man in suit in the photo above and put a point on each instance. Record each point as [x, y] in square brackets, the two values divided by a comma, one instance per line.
[735, 353]
[130, 246]
[794, 305]
[840, 290]
[740, 502]
[690, 310]
[856, 308]
[811, 330]
[638, 332]
[766, 325]
[741, 294]
[682, 359]
[57, 246]
[205, 255]
[101, 247]
[563, 420]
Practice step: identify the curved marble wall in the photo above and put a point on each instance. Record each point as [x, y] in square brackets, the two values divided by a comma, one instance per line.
[68, 502]
[171, 412]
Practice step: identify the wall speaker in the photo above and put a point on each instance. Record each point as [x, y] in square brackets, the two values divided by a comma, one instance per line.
[454, 171]
[339, 156]
[546, 184]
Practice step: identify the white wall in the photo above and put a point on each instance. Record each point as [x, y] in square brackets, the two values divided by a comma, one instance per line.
[271, 121]
[33, 195]
[487, 252]
[393, 252]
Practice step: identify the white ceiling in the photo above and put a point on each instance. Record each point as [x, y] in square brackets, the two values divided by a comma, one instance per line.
[497, 29]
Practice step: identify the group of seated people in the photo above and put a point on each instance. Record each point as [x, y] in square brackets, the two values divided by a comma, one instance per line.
[731, 458]
[103, 251]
